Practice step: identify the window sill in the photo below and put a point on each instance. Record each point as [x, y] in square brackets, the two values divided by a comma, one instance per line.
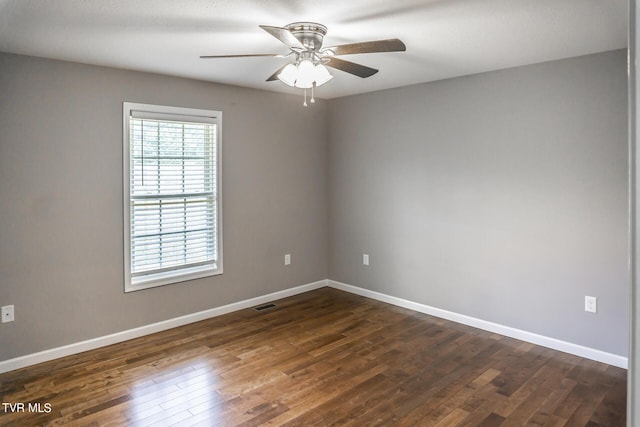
[171, 277]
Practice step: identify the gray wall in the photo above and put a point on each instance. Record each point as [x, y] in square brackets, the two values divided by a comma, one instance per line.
[501, 196]
[61, 240]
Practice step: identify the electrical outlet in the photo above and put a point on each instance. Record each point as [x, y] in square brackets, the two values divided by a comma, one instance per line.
[365, 259]
[7, 314]
[591, 304]
[287, 259]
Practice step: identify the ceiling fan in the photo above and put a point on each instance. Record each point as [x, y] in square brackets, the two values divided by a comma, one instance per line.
[308, 68]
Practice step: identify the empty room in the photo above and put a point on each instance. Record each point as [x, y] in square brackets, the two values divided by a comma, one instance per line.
[415, 213]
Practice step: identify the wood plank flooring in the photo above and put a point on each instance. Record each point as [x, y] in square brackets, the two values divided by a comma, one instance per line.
[317, 359]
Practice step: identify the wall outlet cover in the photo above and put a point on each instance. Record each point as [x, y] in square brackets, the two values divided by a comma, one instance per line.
[7, 313]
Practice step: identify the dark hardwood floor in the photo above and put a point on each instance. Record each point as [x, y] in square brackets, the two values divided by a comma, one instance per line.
[321, 358]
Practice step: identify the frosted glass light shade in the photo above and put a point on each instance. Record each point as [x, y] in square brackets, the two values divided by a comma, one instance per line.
[288, 75]
[306, 74]
[321, 74]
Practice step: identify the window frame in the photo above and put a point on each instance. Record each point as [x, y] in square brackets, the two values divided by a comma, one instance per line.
[178, 275]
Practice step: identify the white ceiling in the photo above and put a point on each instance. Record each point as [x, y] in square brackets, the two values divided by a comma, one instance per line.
[444, 38]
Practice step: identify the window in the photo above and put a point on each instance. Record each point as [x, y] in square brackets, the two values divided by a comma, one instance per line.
[172, 209]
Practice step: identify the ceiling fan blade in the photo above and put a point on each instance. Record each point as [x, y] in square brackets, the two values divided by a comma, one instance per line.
[273, 55]
[388, 45]
[351, 67]
[274, 76]
[285, 36]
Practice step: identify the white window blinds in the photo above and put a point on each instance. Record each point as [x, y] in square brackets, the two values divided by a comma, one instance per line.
[173, 196]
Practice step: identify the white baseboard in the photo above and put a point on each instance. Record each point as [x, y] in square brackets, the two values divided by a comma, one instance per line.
[55, 353]
[567, 347]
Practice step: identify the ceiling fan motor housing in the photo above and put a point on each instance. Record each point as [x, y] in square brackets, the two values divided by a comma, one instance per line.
[310, 34]
[304, 40]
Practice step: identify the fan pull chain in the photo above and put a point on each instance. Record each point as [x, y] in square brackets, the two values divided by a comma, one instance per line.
[313, 100]
[305, 97]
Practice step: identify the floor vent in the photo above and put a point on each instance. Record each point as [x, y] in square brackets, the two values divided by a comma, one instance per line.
[264, 307]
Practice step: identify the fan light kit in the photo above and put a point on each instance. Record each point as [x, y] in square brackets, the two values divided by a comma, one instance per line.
[309, 70]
